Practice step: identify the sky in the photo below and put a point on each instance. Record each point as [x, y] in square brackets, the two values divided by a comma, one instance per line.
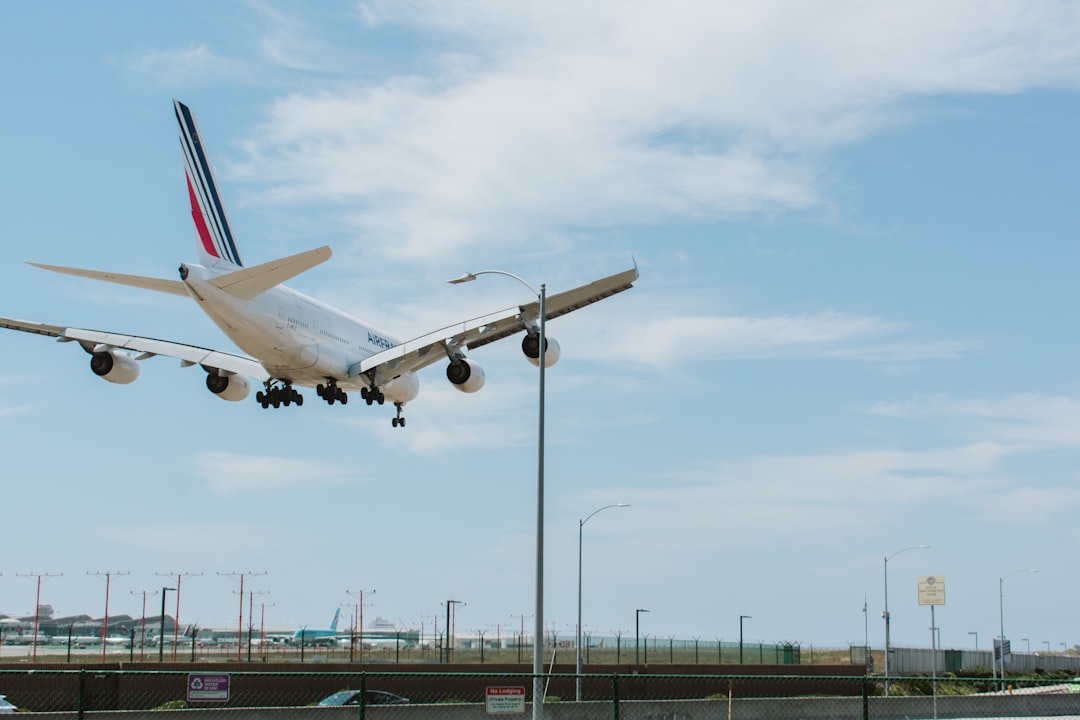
[853, 334]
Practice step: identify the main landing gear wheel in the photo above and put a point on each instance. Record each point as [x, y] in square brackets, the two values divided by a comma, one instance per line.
[278, 395]
[372, 395]
[398, 421]
[331, 393]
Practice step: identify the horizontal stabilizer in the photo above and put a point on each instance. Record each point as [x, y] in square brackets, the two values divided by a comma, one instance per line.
[174, 287]
[249, 282]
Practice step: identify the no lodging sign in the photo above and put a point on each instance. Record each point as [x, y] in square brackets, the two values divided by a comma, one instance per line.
[505, 701]
[932, 590]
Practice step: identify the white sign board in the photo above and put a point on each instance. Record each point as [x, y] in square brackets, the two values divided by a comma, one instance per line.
[505, 701]
[932, 590]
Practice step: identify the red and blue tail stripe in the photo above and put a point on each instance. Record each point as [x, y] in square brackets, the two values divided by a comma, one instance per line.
[211, 222]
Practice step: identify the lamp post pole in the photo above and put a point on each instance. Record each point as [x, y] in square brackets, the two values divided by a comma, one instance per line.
[886, 613]
[1001, 618]
[976, 634]
[637, 633]
[161, 628]
[741, 618]
[581, 526]
[541, 358]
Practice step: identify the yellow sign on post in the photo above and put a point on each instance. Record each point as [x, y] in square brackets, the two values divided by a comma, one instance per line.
[932, 590]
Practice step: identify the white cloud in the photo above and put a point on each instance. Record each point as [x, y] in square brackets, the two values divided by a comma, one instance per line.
[191, 66]
[547, 115]
[1035, 419]
[229, 473]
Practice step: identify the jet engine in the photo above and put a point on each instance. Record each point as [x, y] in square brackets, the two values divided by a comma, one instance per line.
[466, 375]
[233, 388]
[530, 345]
[114, 366]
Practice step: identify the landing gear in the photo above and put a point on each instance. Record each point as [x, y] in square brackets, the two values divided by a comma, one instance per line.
[278, 395]
[372, 395]
[331, 393]
[398, 421]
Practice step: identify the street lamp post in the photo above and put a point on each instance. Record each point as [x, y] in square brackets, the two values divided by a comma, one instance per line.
[541, 357]
[741, 618]
[1001, 617]
[886, 613]
[161, 629]
[581, 525]
[637, 633]
[451, 614]
[976, 634]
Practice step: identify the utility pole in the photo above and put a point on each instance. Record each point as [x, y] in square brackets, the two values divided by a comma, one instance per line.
[240, 624]
[142, 626]
[105, 623]
[176, 620]
[37, 603]
[251, 616]
[262, 628]
[360, 622]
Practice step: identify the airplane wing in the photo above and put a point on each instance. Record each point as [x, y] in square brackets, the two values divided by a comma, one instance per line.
[427, 349]
[149, 347]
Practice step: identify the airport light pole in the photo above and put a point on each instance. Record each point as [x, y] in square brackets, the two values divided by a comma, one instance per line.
[581, 525]
[741, 618]
[541, 361]
[637, 633]
[142, 626]
[37, 604]
[1001, 617]
[161, 628]
[176, 618]
[886, 613]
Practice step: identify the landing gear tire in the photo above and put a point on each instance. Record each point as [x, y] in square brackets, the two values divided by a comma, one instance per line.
[331, 393]
[278, 395]
[398, 421]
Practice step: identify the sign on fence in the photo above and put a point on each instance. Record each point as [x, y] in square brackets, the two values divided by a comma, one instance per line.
[207, 687]
[506, 701]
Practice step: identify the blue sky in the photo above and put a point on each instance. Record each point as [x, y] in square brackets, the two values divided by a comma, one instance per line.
[853, 333]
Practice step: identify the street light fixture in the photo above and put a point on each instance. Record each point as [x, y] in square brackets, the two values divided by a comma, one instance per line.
[976, 634]
[541, 358]
[581, 525]
[886, 613]
[1001, 617]
[741, 618]
[161, 630]
[637, 633]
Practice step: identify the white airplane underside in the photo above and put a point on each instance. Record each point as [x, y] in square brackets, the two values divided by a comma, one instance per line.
[293, 340]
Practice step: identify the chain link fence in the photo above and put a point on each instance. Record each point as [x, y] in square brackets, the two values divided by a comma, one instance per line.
[462, 695]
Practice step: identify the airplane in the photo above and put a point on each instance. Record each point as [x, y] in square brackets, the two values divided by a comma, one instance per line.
[318, 637]
[293, 340]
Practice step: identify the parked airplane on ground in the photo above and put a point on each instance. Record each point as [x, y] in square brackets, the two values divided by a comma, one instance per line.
[292, 339]
[310, 636]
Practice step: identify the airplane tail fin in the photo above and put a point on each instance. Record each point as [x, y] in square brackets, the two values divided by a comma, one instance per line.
[216, 244]
[333, 623]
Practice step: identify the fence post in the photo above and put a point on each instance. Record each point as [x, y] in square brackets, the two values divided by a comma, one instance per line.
[615, 697]
[81, 693]
[866, 698]
[363, 694]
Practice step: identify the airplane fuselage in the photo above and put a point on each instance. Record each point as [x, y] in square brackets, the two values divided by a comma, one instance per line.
[296, 337]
